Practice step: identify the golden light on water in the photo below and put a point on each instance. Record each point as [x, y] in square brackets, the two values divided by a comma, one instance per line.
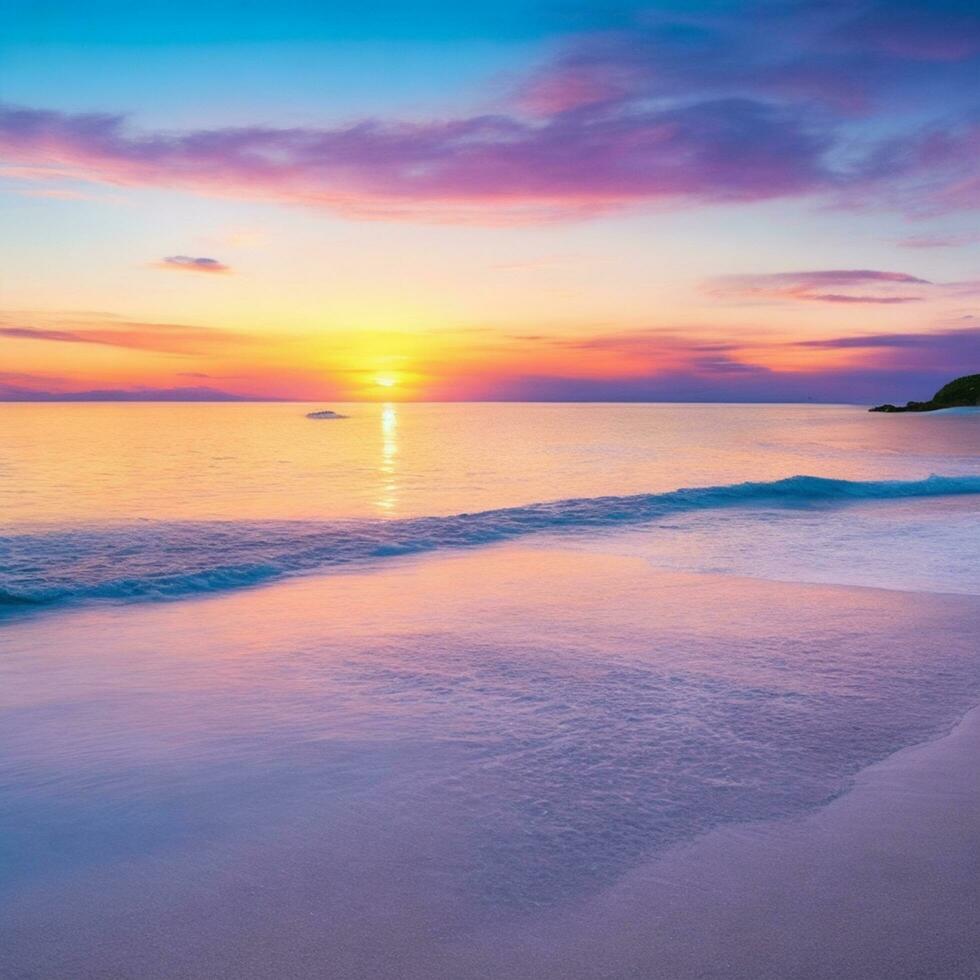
[388, 469]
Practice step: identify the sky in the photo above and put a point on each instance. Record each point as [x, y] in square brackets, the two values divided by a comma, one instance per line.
[690, 201]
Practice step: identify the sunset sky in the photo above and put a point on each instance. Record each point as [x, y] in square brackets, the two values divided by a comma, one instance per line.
[673, 201]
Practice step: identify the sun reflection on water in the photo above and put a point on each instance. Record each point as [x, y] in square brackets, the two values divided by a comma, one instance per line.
[388, 467]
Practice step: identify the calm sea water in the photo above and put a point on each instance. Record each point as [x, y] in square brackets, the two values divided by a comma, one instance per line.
[71, 464]
[350, 698]
[148, 501]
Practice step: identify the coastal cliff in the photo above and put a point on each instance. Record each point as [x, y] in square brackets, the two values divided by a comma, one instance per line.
[962, 393]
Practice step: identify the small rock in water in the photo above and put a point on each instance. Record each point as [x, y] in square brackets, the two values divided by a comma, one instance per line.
[325, 414]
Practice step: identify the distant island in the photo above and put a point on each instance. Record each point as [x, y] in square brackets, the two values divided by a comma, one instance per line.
[325, 414]
[962, 393]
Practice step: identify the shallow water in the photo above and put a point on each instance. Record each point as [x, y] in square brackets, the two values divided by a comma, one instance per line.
[167, 560]
[489, 701]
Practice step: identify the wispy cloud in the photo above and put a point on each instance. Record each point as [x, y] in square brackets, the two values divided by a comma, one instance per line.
[190, 263]
[138, 394]
[170, 338]
[33, 333]
[847, 57]
[811, 286]
[660, 364]
[950, 349]
[939, 240]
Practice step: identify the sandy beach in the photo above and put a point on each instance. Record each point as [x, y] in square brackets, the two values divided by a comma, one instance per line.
[355, 796]
[882, 882]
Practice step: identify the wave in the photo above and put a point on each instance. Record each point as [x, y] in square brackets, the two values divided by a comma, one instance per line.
[169, 560]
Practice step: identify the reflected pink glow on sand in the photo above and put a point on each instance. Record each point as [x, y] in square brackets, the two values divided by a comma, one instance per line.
[476, 746]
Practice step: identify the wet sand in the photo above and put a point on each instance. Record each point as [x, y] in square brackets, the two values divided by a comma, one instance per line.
[884, 882]
[302, 781]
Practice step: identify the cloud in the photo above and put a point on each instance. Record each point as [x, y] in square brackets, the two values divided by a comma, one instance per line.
[843, 55]
[916, 31]
[496, 168]
[908, 67]
[179, 394]
[809, 286]
[189, 263]
[23, 380]
[168, 338]
[31, 333]
[939, 240]
[844, 298]
[957, 351]
[663, 365]
[736, 102]
[928, 172]
[754, 384]
[654, 348]
[657, 363]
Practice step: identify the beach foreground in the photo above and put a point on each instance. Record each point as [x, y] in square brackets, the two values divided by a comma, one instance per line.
[526, 761]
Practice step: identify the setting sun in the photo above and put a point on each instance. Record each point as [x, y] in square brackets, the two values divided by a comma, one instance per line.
[386, 380]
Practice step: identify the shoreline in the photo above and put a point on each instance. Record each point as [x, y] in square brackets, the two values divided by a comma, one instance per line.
[882, 881]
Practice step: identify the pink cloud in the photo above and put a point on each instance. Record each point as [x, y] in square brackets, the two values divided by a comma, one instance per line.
[496, 168]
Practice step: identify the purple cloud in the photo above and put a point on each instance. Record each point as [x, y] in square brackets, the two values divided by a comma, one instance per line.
[948, 349]
[752, 384]
[953, 350]
[672, 367]
[808, 285]
[498, 167]
[915, 31]
[736, 102]
[939, 240]
[189, 263]
[847, 55]
[844, 298]
[931, 171]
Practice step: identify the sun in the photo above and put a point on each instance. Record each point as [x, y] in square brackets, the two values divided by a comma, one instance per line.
[385, 380]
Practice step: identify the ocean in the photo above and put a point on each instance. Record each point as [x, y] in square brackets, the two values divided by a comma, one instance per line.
[444, 690]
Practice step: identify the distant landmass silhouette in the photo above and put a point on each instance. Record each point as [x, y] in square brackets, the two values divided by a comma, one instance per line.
[962, 393]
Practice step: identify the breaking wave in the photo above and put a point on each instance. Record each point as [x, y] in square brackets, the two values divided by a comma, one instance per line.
[167, 560]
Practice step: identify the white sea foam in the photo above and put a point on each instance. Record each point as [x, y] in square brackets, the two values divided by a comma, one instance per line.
[157, 560]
